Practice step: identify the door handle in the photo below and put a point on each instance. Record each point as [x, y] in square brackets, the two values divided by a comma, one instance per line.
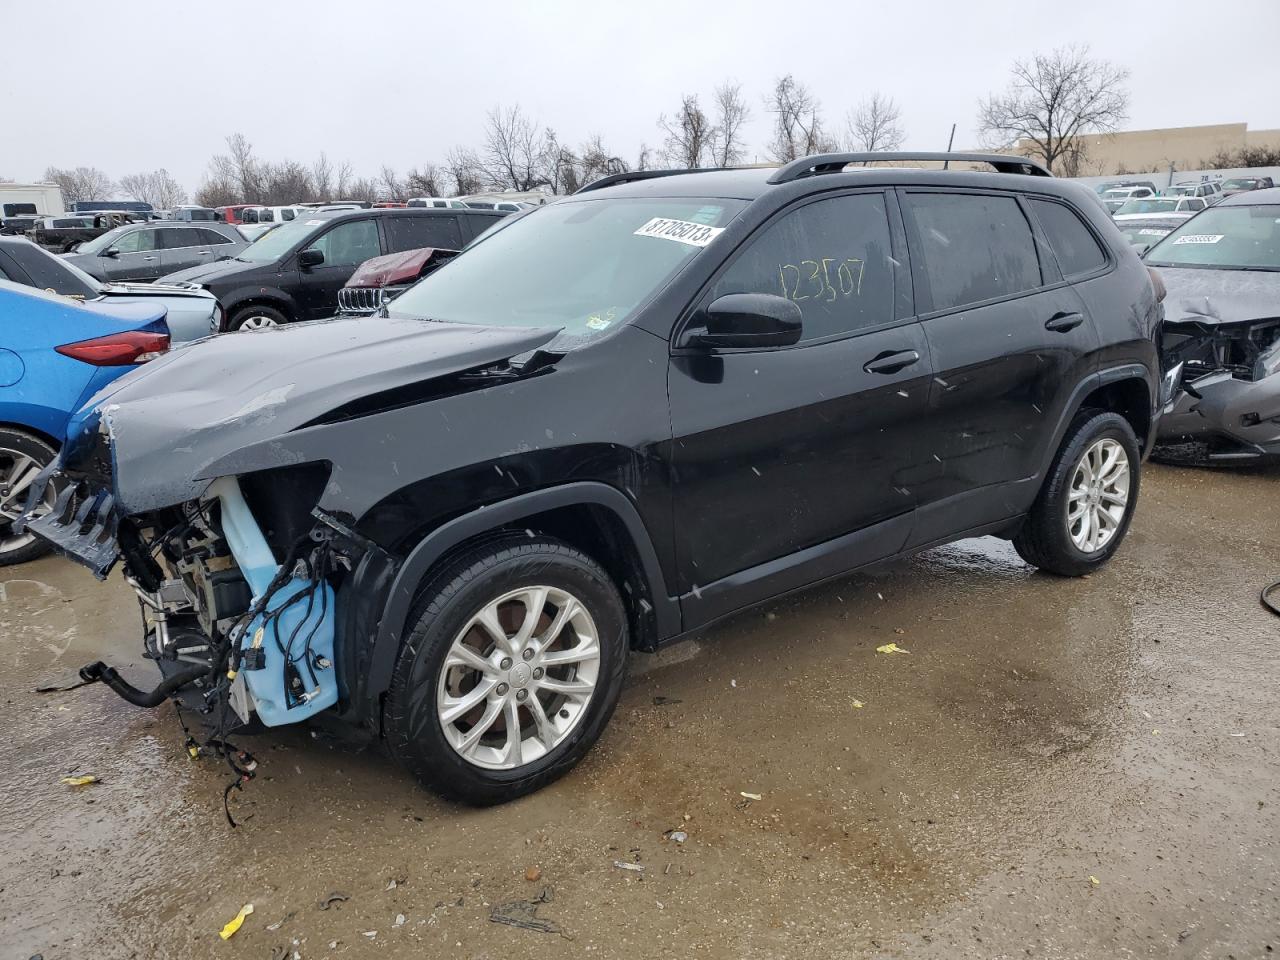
[1062, 322]
[891, 362]
[150, 258]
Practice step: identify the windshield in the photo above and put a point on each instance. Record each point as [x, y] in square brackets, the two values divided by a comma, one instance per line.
[1119, 194]
[281, 239]
[1239, 184]
[1182, 190]
[100, 243]
[1228, 238]
[582, 265]
[1148, 206]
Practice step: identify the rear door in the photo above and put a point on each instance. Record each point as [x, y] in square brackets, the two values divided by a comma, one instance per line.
[792, 462]
[345, 246]
[182, 247]
[1009, 338]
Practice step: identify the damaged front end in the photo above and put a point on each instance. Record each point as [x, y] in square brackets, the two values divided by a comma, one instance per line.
[1227, 407]
[211, 482]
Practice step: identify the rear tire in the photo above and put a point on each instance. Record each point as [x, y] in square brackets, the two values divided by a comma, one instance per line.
[1078, 522]
[22, 456]
[256, 318]
[457, 682]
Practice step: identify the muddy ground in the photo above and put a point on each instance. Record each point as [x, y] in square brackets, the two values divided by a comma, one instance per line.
[1057, 768]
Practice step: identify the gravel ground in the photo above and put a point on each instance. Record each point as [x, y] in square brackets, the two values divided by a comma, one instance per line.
[1056, 768]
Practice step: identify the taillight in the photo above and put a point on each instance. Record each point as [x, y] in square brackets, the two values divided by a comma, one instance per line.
[117, 349]
[1157, 281]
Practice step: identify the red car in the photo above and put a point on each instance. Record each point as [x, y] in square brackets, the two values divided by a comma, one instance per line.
[231, 213]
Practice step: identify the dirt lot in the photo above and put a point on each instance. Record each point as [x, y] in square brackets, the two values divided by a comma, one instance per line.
[1057, 768]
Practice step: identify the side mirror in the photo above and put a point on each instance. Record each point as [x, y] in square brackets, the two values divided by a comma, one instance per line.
[748, 320]
[111, 252]
[310, 258]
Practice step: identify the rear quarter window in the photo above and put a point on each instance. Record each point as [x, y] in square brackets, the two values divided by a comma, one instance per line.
[410, 233]
[1073, 243]
[972, 247]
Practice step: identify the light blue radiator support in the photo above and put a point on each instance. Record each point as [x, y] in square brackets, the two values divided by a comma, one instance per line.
[267, 686]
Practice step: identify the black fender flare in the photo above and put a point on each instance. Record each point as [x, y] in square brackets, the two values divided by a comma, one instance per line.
[1100, 378]
[430, 549]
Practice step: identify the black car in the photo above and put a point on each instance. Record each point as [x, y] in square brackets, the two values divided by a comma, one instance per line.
[607, 424]
[1222, 272]
[295, 271]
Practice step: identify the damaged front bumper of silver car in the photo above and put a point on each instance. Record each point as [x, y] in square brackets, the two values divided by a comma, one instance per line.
[1225, 398]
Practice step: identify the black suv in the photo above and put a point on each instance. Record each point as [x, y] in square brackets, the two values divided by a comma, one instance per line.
[295, 271]
[610, 422]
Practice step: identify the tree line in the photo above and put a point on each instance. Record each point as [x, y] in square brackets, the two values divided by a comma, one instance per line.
[1051, 102]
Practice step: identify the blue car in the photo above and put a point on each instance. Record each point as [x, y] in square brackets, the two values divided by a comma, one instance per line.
[56, 353]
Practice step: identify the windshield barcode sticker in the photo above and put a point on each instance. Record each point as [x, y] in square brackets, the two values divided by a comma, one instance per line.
[1152, 232]
[682, 231]
[1200, 238]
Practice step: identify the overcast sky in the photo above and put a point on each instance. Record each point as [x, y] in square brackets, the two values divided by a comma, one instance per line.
[132, 85]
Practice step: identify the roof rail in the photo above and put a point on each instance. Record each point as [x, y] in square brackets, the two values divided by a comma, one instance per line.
[614, 179]
[835, 162]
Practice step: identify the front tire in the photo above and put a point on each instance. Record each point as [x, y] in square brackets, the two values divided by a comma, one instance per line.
[256, 318]
[512, 667]
[1084, 509]
[22, 456]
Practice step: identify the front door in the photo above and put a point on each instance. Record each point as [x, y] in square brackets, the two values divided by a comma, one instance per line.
[344, 246]
[137, 256]
[793, 463]
[1008, 339]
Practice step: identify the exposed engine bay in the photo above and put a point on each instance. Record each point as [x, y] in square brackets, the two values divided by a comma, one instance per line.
[1228, 404]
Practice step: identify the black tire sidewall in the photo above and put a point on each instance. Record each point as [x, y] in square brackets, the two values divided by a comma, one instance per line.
[34, 447]
[1102, 426]
[418, 741]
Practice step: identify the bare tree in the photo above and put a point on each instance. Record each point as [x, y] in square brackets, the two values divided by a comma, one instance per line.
[689, 135]
[392, 185]
[644, 158]
[798, 129]
[1054, 98]
[82, 183]
[345, 175]
[513, 155]
[464, 170]
[245, 167]
[363, 188]
[876, 125]
[322, 177]
[427, 182]
[731, 112]
[285, 182]
[158, 189]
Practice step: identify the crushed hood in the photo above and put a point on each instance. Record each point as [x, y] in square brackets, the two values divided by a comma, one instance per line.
[168, 422]
[154, 290]
[1214, 297]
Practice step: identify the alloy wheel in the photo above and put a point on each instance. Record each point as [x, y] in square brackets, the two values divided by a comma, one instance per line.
[17, 471]
[257, 322]
[1098, 496]
[518, 677]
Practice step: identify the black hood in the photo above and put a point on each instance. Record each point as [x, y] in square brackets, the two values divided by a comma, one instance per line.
[170, 423]
[1207, 296]
[219, 270]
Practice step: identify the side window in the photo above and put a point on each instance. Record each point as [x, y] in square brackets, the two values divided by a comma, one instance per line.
[174, 239]
[1196, 203]
[1077, 251]
[213, 237]
[973, 247]
[137, 241]
[287, 214]
[409, 233]
[349, 244]
[833, 257]
[266, 216]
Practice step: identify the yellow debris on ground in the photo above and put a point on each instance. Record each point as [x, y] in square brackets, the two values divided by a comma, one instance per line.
[891, 648]
[234, 924]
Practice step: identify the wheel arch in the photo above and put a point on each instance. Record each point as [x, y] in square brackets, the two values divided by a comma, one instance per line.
[36, 432]
[592, 516]
[266, 297]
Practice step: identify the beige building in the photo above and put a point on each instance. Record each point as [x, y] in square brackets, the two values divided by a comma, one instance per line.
[1151, 151]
